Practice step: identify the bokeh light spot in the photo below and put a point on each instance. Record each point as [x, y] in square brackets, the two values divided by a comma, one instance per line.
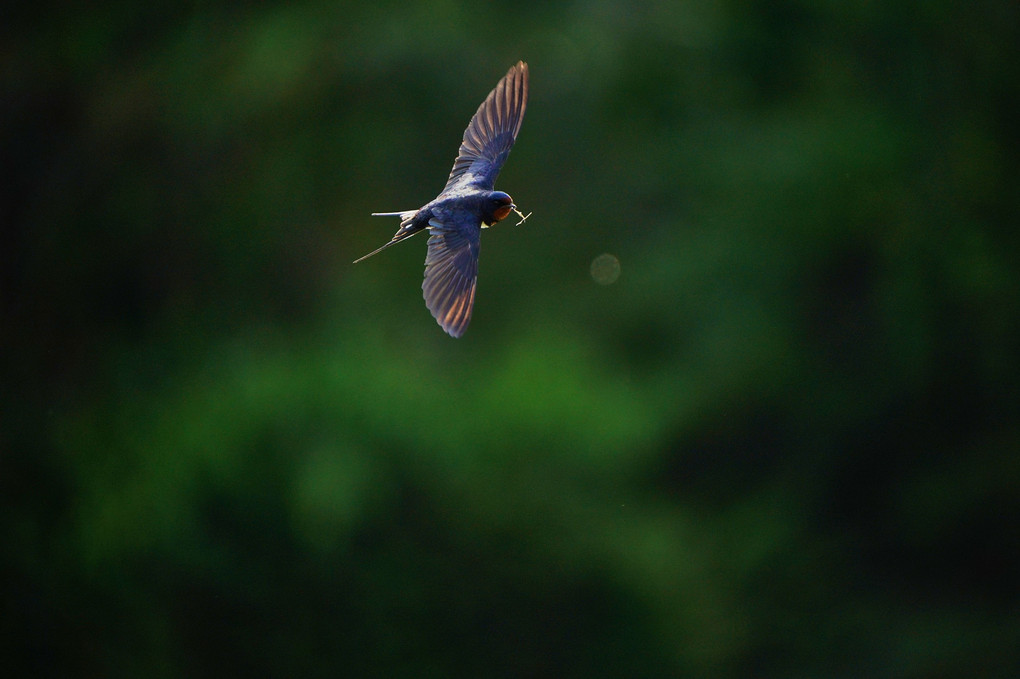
[605, 269]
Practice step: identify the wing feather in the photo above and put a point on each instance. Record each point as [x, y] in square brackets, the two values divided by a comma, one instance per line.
[492, 131]
[451, 274]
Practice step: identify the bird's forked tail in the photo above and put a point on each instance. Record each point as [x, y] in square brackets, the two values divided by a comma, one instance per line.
[406, 230]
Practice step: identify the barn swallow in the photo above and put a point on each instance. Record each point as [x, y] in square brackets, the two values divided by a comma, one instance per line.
[467, 204]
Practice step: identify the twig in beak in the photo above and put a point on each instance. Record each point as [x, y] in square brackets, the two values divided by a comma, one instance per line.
[520, 214]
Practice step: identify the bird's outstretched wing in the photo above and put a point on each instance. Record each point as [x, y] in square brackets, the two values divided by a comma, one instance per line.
[491, 133]
[451, 271]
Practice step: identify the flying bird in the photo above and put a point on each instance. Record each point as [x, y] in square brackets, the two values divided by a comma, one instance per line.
[467, 204]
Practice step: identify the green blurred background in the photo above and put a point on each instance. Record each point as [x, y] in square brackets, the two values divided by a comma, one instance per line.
[783, 443]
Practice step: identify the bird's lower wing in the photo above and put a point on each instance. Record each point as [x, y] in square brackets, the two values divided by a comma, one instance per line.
[451, 272]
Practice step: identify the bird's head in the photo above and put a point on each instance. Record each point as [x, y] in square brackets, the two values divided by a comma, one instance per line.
[497, 206]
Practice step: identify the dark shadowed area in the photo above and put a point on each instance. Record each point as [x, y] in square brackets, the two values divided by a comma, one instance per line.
[740, 399]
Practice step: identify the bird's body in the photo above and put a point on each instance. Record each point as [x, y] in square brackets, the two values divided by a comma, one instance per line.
[467, 203]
